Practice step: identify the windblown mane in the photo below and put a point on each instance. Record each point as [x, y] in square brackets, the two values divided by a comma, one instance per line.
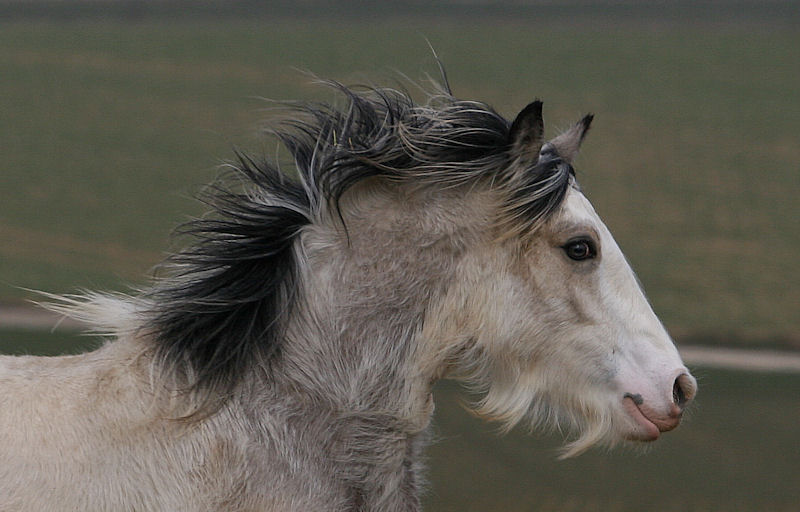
[223, 302]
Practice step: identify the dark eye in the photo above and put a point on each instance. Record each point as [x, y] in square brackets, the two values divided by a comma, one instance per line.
[579, 250]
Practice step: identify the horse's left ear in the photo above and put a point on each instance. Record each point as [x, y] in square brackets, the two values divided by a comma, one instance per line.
[568, 143]
[527, 133]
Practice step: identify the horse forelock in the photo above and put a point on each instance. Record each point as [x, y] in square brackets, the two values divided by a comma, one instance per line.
[224, 301]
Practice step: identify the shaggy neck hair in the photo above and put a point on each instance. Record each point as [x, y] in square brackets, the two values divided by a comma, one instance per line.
[223, 302]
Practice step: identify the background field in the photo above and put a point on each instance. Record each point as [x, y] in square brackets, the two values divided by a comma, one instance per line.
[108, 126]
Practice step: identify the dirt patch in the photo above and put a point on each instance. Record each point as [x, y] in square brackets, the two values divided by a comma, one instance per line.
[742, 359]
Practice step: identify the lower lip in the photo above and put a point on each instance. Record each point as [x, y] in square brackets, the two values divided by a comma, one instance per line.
[646, 430]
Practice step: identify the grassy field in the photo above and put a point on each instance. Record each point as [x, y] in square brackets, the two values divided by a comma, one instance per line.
[737, 451]
[108, 128]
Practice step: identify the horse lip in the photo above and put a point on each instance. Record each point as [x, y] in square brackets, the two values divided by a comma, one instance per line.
[646, 430]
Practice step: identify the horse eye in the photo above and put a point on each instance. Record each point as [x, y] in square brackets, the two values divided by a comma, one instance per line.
[579, 250]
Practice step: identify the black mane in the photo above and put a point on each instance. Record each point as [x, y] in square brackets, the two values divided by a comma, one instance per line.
[224, 301]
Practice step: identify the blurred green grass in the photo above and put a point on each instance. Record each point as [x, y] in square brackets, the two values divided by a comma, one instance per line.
[736, 451]
[109, 127]
[35, 342]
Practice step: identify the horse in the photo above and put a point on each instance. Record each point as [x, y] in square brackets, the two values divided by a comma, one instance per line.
[284, 360]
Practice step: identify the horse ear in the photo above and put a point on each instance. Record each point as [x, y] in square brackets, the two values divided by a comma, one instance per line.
[568, 143]
[527, 133]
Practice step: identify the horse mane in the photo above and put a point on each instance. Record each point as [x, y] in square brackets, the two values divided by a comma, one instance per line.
[223, 302]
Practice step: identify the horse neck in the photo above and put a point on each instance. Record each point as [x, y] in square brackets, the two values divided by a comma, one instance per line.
[353, 344]
[356, 339]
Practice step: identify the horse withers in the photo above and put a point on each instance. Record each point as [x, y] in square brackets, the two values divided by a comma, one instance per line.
[285, 359]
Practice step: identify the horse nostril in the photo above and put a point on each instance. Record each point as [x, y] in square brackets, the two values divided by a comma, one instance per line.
[682, 390]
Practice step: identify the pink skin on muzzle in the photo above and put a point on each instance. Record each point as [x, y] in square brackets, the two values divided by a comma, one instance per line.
[648, 423]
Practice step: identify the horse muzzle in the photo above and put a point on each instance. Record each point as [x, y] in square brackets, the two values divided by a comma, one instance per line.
[659, 413]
